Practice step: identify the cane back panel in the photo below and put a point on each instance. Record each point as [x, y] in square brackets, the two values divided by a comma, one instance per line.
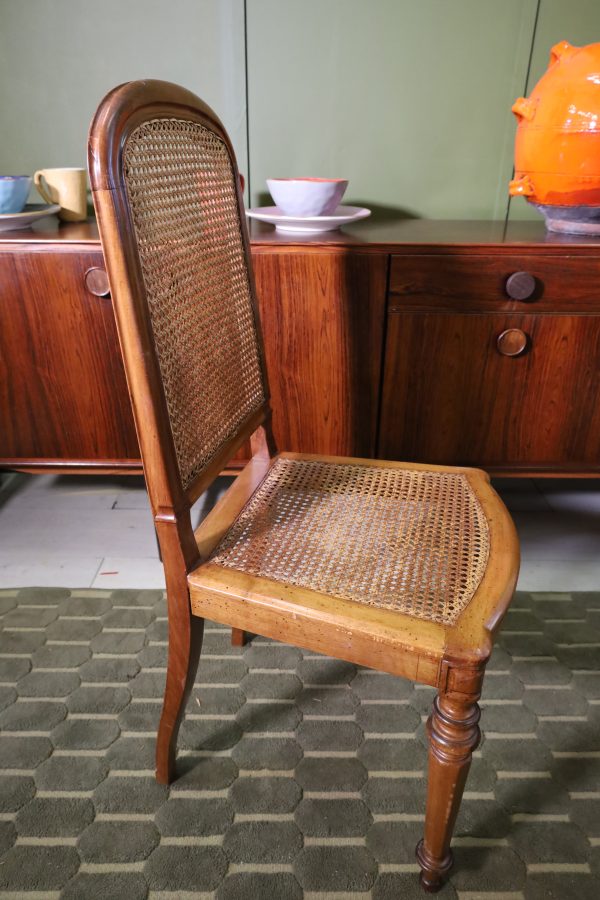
[181, 187]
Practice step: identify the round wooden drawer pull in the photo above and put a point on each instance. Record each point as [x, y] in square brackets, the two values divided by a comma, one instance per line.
[520, 286]
[96, 281]
[512, 342]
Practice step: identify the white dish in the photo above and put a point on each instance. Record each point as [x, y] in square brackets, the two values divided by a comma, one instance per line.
[26, 218]
[308, 224]
[302, 197]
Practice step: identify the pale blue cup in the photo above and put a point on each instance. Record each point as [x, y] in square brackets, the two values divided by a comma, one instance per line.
[14, 190]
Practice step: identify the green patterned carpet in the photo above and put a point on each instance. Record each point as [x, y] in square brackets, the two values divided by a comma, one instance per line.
[300, 776]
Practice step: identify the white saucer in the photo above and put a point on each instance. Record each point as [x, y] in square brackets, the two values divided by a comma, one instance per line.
[308, 224]
[31, 213]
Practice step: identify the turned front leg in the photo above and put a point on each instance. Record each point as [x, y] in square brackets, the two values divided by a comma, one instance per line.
[453, 735]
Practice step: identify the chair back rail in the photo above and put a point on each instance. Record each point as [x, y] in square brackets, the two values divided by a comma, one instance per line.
[167, 195]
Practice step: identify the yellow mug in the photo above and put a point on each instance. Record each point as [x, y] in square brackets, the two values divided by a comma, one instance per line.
[68, 188]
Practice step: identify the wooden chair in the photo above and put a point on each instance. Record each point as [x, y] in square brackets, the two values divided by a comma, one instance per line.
[407, 569]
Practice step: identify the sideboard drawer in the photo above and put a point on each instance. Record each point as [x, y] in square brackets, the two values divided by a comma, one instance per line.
[479, 283]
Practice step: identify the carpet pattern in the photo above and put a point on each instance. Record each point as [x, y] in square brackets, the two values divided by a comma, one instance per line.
[299, 776]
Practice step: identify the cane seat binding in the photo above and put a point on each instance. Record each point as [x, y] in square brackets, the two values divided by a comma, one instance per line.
[406, 568]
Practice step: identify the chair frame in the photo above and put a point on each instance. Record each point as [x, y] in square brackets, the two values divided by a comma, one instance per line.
[452, 659]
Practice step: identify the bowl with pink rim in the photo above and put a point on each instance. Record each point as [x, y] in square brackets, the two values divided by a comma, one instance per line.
[301, 197]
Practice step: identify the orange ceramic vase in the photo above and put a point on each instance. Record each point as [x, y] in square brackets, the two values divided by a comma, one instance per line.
[557, 146]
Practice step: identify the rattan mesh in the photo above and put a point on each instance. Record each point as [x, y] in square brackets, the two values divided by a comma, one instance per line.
[416, 542]
[180, 185]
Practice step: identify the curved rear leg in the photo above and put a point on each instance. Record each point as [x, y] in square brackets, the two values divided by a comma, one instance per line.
[185, 643]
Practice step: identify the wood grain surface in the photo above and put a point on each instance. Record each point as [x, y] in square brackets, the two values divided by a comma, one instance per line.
[322, 317]
[322, 299]
[63, 393]
[448, 393]
[479, 283]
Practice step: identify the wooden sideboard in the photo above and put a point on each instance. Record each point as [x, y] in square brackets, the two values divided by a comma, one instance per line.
[445, 342]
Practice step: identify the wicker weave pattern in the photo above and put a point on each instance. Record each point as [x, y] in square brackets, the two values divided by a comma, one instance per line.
[180, 184]
[412, 541]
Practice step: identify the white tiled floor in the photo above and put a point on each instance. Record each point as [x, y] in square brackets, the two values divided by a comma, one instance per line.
[81, 531]
[558, 521]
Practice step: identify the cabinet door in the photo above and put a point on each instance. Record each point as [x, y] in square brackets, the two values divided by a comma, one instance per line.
[63, 395]
[451, 396]
[322, 314]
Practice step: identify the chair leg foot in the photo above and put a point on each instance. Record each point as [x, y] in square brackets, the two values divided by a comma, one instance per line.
[185, 645]
[238, 637]
[453, 735]
[433, 872]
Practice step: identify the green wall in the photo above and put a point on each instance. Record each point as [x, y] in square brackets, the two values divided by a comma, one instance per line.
[409, 99]
[58, 58]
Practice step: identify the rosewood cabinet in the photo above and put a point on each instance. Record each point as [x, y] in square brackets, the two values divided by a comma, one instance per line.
[450, 393]
[447, 342]
[493, 359]
[323, 314]
[63, 395]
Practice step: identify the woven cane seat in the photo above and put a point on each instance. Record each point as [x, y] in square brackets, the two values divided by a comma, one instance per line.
[411, 541]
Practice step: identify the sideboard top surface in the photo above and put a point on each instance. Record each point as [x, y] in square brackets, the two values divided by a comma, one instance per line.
[372, 234]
